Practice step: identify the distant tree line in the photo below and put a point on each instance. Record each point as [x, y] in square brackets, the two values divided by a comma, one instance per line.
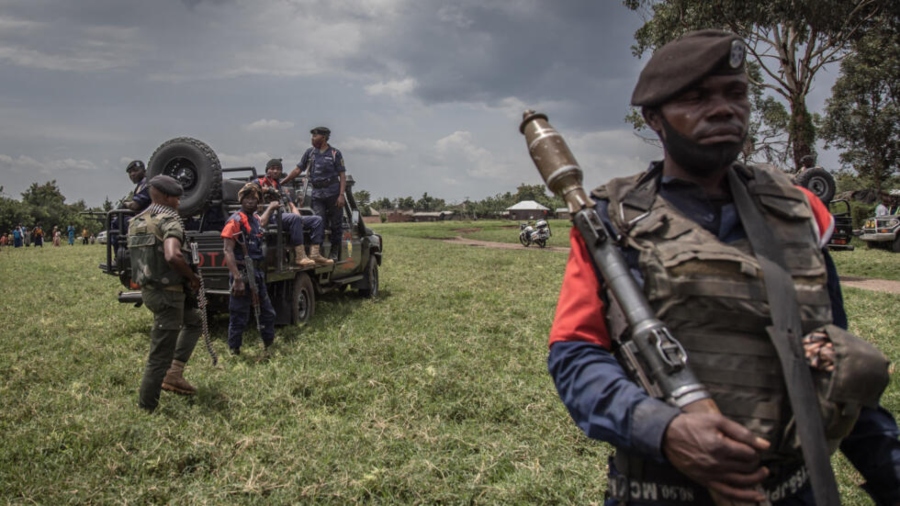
[45, 204]
[490, 207]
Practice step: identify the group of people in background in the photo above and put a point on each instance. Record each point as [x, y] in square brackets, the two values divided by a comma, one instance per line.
[157, 242]
[21, 236]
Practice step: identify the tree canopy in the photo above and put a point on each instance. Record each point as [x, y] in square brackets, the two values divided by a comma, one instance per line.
[45, 204]
[863, 113]
[790, 41]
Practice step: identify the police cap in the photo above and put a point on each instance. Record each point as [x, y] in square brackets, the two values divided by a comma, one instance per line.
[275, 162]
[167, 185]
[134, 165]
[684, 62]
[321, 130]
[247, 189]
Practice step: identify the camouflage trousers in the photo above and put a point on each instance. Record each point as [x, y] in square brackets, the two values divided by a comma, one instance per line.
[176, 328]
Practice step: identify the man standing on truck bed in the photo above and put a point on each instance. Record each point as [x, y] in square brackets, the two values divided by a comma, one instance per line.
[158, 255]
[243, 235]
[292, 221]
[325, 168]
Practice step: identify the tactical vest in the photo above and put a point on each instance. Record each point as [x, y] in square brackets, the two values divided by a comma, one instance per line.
[713, 297]
[148, 259]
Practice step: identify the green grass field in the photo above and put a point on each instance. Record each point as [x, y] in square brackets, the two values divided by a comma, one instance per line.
[435, 392]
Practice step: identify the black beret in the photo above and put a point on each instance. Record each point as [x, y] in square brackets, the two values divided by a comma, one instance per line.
[135, 165]
[273, 163]
[167, 185]
[321, 130]
[684, 62]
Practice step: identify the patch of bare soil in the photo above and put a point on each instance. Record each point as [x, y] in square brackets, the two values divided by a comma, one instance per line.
[876, 285]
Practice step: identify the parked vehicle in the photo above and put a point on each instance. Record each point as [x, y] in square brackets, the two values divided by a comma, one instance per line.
[882, 232]
[101, 237]
[843, 225]
[538, 234]
[210, 197]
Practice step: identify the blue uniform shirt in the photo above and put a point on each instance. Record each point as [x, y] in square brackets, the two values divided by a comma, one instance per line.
[325, 168]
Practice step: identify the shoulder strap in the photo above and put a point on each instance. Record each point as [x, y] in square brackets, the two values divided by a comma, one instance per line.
[786, 334]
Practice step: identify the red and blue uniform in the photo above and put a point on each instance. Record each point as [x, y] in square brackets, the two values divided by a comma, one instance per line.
[244, 229]
[607, 405]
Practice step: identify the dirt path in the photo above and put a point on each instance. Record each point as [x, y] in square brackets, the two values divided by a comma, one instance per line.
[877, 285]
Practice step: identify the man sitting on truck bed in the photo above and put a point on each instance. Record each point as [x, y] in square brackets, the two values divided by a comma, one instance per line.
[292, 221]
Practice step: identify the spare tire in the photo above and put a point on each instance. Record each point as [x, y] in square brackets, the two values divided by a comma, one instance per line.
[195, 165]
[819, 181]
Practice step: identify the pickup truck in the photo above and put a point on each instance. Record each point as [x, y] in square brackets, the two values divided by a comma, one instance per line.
[882, 232]
[210, 198]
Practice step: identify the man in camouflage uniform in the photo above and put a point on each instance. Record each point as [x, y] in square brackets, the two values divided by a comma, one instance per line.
[159, 255]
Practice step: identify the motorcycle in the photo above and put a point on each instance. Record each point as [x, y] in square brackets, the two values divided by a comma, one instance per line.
[538, 234]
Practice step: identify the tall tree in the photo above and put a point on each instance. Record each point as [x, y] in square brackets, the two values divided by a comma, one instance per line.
[790, 40]
[863, 113]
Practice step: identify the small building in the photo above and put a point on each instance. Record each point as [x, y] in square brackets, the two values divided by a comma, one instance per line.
[563, 213]
[528, 210]
[399, 216]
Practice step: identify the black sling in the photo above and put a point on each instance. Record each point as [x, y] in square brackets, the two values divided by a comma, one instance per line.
[786, 334]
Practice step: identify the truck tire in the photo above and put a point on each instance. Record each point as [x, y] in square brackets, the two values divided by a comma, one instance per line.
[819, 181]
[195, 165]
[371, 279]
[895, 247]
[303, 305]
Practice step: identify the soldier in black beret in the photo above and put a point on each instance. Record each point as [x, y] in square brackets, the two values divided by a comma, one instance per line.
[160, 265]
[698, 231]
[167, 184]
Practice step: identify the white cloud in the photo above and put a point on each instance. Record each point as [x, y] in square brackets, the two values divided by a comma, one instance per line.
[268, 124]
[393, 88]
[479, 163]
[372, 147]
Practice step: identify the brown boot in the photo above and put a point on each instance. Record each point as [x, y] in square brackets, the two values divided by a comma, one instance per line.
[301, 259]
[175, 382]
[317, 257]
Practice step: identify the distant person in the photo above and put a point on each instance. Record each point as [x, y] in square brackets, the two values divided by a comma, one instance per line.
[324, 165]
[57, 235]
[808, 162]
[292, 221]
[4, 239]
[27, 232]
[84, 235]
[18, 236]
[71, 232]
[37, 234]
[157, 243]
[882, 208]
[245, 229]
[140, 197]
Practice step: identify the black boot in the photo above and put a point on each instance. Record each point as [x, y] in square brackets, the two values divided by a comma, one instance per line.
[335, 253]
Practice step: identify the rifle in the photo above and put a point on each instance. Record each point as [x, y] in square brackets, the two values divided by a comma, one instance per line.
[201, 303]
[652, 355]
[250, 270]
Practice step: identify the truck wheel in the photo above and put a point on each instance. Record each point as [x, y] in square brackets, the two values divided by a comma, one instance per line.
[304, 302]
[195, 165]
[819, 181]
[895, 247]
[371, 280]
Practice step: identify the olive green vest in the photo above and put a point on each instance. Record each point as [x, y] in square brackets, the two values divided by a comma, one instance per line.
[145, 244]
[712, 295]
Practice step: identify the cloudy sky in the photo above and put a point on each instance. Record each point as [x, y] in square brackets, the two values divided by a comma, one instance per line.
[420, 95]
